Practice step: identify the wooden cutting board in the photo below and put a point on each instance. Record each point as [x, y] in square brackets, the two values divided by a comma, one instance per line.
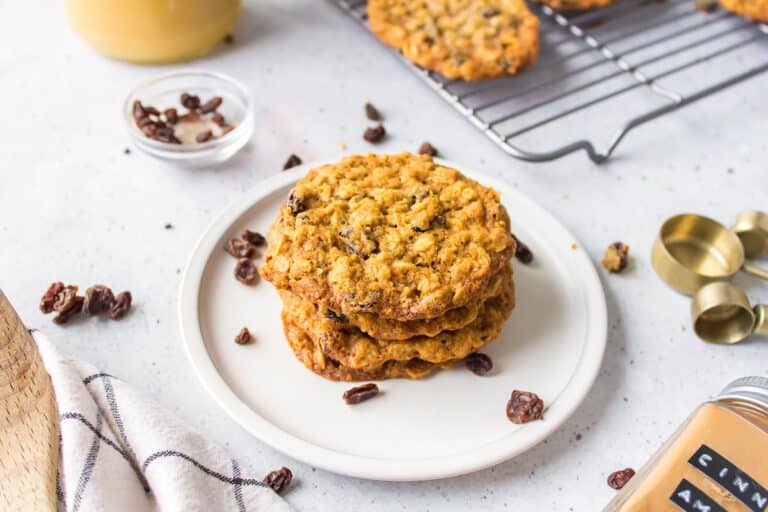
[29, 427]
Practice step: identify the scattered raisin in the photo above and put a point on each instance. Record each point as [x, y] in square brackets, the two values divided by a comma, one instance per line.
[245, 271]
[204, 136]
[279, 479]
[121, 306]
[168, 226]
[616, 257]
[427, 149]
[372, 112]
[375, 134]
[66, 299]
[49, 297]
[618, 479]
[292, 161]
[360, 393]
[479, 364]
[254, 237]
[190, 101]
[296, 203]
[98, 299]
[211, 105]
[524, 406]
[127, 151]
[76, 307]
[522, 252]
[239, 248]
[243, 337]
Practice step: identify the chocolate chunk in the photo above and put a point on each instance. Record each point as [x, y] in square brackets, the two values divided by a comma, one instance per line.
[121, 305]
[49, 297]
[427, 149]
[618, 479]
[292, 161]
[524, 406]
[98, 299]
[190, 101]
[375, 134]
[246, 272]
[522, 252]
[204, 136]
[171, 115]
[360, 393]
[372, 112]
[479, 364]
[616, 257]
[211, 105]
[240, 248]
[243, 337]
[254, 237]
[296, 203]
[279, 479]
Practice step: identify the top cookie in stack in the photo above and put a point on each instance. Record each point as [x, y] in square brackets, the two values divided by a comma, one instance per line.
[390, 266]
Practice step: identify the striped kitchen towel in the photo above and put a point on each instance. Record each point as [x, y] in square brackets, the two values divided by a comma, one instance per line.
[123, 452]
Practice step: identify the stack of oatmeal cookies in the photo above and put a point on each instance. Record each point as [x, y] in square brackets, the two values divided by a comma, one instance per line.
[390, 266]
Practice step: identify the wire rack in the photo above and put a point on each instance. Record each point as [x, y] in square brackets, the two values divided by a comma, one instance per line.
[602, 73]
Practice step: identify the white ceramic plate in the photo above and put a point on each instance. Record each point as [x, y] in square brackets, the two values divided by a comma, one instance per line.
[449, 424]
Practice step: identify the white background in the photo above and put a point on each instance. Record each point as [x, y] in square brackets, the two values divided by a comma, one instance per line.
[73, 207]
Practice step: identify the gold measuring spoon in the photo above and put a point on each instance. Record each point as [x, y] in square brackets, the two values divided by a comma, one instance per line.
[692, 251]
[721, 313]
[751, 227]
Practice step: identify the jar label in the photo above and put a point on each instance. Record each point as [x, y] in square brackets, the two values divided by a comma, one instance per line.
[742, 486]
[692, 499]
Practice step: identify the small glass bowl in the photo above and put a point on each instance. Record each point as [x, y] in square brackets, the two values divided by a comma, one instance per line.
[165, 92]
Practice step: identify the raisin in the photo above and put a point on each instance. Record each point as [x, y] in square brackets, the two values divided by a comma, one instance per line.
[375, 134]
[98, 299]
[245, 271]
[292, 161]
[76, 307]
[171, 115]
[66, 299]
[479, 364]
[204, 136]
[522, 252]
[336, 317]
[138, 111]
[279, 479]
[372, 112]
[121, 305]
[296, 203]
[427, 149]
[524, 406]
[211, 105]
[190, 101]
[618, 479]
[360, 393]
[254, 237]
[49, 297]
[243, 337]
[239, 248]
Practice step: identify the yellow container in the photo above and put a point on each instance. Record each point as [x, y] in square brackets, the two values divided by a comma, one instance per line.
[153, 31]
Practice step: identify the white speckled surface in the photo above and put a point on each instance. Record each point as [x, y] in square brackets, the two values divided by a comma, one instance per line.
[74, 207]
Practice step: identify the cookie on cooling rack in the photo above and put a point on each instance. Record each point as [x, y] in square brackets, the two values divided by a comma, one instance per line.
[756, 10]
[576, 5]
[468, 39]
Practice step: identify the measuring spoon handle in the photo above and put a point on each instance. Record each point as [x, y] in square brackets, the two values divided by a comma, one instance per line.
[755, 271]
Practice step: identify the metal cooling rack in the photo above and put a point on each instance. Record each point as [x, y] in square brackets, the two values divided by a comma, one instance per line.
[602, 73]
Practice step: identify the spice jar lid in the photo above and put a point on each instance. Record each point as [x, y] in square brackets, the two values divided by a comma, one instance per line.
[752, 389]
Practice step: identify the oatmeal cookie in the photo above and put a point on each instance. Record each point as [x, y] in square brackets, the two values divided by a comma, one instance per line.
[353, 349]
[454, 319]
[313, 358]
[399, 236]
[468, 39]
[756, 10]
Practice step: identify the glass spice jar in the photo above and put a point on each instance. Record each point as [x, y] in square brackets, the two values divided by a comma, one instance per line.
[716, 461]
